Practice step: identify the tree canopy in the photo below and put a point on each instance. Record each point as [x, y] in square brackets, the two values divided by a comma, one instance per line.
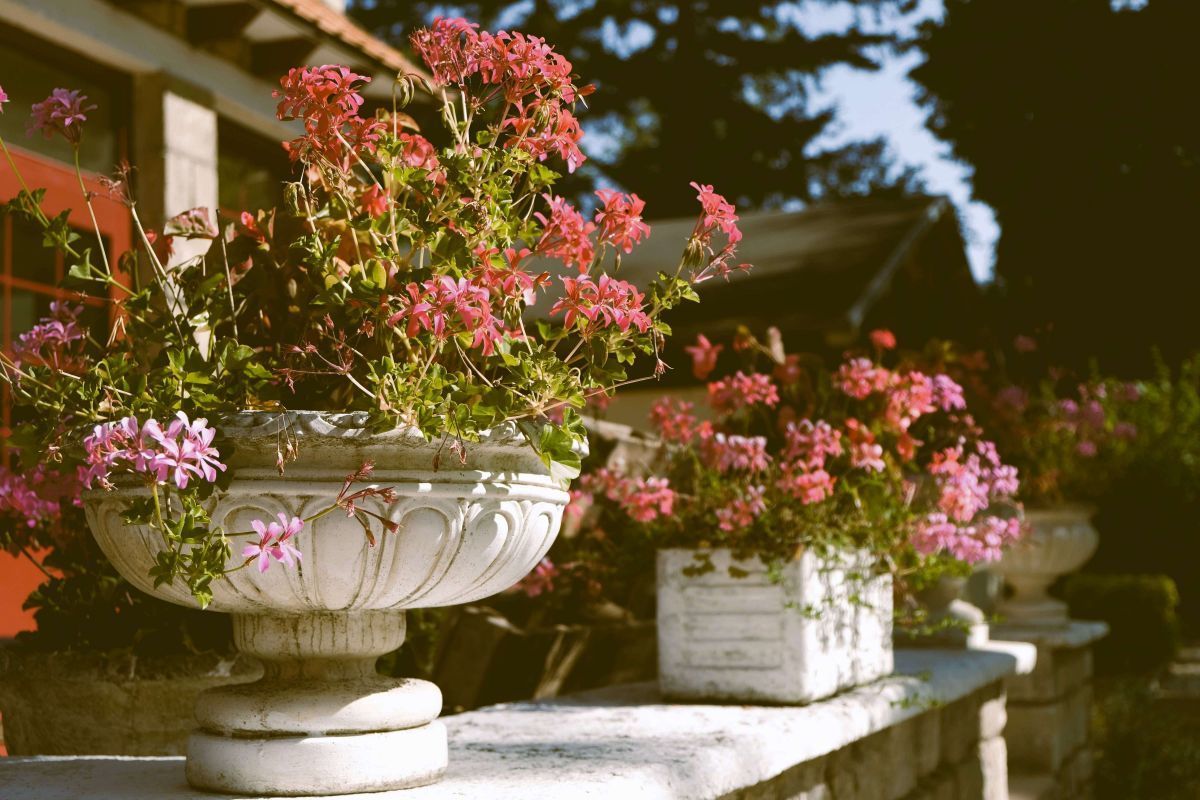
[1079, 119]
[719, 91]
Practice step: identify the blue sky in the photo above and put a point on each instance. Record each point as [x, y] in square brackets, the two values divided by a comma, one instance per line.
[882, 103]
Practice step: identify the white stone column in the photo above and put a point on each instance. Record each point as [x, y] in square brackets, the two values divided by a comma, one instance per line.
[175, 151]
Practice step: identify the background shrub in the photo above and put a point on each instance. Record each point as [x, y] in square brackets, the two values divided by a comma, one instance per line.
[1140, 611]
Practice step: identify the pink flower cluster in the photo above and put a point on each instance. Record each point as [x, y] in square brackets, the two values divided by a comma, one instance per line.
[908, 396]
[643, 499]
[704, 356]
[620, 219]
[740, 390]
[971, 543]
[63, 112]
[717, 215]
[607, 302]
[968, 479]
[181, 452]
[807, 449]
[540, 580]
[740, 512]
[36, 498]
[327, 99]
[523, 70]
[50, 341]
[566, 235]
[276, 542]
[730, 452]
[444, 307]
[674, 420]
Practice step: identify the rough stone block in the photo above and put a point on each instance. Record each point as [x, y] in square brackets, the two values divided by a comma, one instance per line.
[899, 749]
[960, 729]
[1042, 737]
[927, 743]
[1059, 671]
[968, 778]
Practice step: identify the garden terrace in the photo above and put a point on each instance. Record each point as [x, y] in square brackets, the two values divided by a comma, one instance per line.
[934, 729]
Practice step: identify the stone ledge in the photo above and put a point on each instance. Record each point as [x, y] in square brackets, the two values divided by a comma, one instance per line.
[1073, 634]
[616, 742]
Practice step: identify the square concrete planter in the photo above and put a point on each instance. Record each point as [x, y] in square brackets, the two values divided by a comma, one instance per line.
[824, 625]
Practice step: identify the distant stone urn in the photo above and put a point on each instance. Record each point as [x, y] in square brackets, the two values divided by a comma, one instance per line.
[322, 720]
[1060, 541]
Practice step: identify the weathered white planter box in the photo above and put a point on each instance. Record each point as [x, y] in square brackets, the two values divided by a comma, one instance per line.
[750, 639]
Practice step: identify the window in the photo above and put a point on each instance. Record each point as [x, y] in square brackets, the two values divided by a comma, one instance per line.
[250, 168]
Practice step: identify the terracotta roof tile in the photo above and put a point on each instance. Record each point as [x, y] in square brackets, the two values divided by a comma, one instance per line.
[341, 27]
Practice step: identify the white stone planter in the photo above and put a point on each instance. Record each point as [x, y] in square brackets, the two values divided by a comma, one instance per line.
[321, 720]
[753, 640]
[1059, 541]
[950, 621]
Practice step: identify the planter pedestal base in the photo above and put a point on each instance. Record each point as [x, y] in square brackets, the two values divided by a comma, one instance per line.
[318, 765]
[321, 721]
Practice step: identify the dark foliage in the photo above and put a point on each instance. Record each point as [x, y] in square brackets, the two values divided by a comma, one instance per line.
[1140, 612]
[1076, 117]
[716, 91]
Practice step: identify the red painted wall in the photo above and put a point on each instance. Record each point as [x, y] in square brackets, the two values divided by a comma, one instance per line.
[17, 579]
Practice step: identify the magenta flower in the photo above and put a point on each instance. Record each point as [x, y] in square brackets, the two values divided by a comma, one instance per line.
[541, 579]
[3, 99]
[50, 341]
[63, 112]
[673, 420]
[184, 450]
[740, 512]
[275, 542]
[704, 356]
[608, 302]
[741, 391]
[620, 220]
[883, 339]
[730, 452]
[566, 235]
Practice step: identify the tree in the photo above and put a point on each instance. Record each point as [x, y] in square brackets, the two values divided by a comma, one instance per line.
[1079, 119]
[716, 91]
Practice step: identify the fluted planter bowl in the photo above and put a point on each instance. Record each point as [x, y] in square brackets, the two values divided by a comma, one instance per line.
[321, 720]
[1059, 541]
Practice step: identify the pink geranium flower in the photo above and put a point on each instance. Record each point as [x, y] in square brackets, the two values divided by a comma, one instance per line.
[63, 112]
[704, 356]
[620, 219]
[275, 542]
[883, 339]
[566, 235]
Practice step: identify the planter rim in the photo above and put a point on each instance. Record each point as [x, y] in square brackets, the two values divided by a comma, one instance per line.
[1061, 510]
[340, 425]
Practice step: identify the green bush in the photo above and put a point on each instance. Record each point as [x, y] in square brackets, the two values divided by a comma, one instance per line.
[1140, 611]
[1147, 749]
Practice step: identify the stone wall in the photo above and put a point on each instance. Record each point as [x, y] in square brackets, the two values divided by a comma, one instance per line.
[1050, 711]
[933, 731]
[951, 752]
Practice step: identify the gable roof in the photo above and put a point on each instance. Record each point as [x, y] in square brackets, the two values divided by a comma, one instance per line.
[821, 269]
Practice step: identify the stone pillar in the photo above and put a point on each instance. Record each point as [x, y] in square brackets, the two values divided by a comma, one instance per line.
[1049, 710]
[175, 151]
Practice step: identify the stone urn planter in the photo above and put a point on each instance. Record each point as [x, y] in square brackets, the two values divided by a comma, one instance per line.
[107, 703]
[322, 720]
[1060, 541]
[824, 626]
[950, 620]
